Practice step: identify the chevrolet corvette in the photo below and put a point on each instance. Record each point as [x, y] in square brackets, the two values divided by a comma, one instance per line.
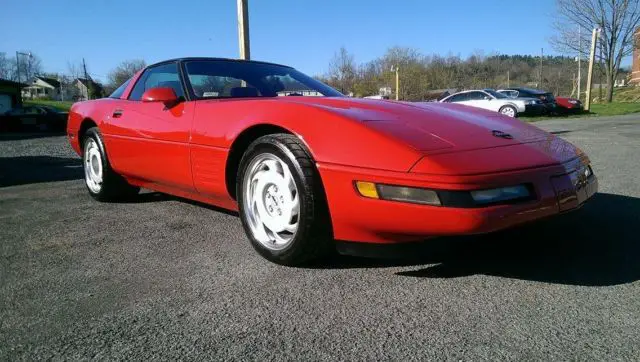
[309, 169]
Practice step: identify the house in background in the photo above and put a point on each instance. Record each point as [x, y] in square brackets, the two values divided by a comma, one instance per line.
[42, 87]
[9, 94]
[82, 86]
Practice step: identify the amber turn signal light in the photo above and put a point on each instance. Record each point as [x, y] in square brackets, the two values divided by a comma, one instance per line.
[367, 189]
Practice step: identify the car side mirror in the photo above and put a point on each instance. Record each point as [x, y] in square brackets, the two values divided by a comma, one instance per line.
[165, 95]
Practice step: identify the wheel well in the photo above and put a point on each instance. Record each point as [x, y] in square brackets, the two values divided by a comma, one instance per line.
[238, 148]
[86, 124]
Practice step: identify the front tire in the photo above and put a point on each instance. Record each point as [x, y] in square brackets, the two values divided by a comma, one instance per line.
[282, 203]
[508, 111]
[102, 182]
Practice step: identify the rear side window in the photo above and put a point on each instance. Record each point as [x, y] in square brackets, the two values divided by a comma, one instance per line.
[118, 92]
[165, 75]
[476, 96]
[458, 98]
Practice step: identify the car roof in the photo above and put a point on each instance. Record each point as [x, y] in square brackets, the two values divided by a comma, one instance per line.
[528, 90]
[183, 59]
[469, 90]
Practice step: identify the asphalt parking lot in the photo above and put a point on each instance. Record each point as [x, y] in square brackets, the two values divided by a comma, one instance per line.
[161, 277]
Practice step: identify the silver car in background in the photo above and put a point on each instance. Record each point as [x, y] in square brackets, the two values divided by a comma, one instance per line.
[494, 101]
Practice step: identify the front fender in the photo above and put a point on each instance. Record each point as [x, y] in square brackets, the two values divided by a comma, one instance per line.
[331, 138]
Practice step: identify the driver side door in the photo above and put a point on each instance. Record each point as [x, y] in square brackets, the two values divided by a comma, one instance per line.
[479, 100]
[155, 146]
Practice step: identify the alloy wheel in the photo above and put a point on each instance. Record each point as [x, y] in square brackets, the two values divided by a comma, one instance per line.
[272, 202]
[93, 166]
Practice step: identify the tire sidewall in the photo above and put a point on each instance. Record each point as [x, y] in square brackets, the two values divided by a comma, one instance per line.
[305, 194]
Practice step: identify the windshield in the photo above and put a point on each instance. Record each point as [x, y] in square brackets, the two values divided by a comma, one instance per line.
[235, 79]
[496, 94]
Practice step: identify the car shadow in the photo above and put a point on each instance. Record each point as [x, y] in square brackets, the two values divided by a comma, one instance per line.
[154, 196]
[35, 169]
[598, 245]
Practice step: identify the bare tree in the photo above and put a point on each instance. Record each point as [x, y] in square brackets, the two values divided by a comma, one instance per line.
[618, 20]
[342, 70]
[124, 71]
[74, 69]
[28, 67]
[5, 67]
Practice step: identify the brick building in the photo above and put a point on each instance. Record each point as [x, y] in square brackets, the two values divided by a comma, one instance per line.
[635, 68]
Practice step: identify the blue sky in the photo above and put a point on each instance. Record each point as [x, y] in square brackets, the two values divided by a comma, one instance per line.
[302, 33]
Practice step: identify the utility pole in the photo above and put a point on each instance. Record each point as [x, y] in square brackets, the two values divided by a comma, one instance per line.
[18, 71]
[396, 69]
[579, 59]
[243, 29]
[540, 74]
[18, 75]
[86, 77]
[594, 39]
[61, 80]
[508, 79]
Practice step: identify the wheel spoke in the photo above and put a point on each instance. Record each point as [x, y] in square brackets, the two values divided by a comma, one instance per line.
[272, 165]
[291, 227]
[288, 178]
[295, 207]
[257, 176]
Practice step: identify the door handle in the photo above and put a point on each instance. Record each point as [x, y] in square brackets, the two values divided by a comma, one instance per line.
[117, 113]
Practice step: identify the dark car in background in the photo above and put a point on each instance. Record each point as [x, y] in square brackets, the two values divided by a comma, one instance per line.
[33, 119]
[547, 98]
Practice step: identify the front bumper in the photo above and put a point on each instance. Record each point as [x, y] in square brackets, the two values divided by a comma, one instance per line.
[356, 218]
[535, 110]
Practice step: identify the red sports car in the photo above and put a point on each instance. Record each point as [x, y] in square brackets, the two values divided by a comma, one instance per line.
[568, 105]
[309, 169]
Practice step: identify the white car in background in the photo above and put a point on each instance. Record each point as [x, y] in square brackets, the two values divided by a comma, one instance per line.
[494, 101]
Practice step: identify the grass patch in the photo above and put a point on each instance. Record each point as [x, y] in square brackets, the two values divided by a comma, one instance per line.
[597, 110]
[626, 94]
[61, 106]
[615, 109]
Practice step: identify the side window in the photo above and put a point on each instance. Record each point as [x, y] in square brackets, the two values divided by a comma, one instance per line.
[165, 75]
[458, 98]
[476, 96]
[32, 110]
[118, 92]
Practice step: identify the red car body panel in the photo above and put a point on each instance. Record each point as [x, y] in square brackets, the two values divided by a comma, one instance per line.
[184, 151]
[570, 104]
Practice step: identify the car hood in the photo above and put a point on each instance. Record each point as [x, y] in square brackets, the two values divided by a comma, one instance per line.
[431, 127]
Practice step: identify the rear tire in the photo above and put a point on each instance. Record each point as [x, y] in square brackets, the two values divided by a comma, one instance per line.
[508, 111]
[102, 182]
[282, 202]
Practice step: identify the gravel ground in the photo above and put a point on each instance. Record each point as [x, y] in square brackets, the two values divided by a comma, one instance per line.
[166, 278]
